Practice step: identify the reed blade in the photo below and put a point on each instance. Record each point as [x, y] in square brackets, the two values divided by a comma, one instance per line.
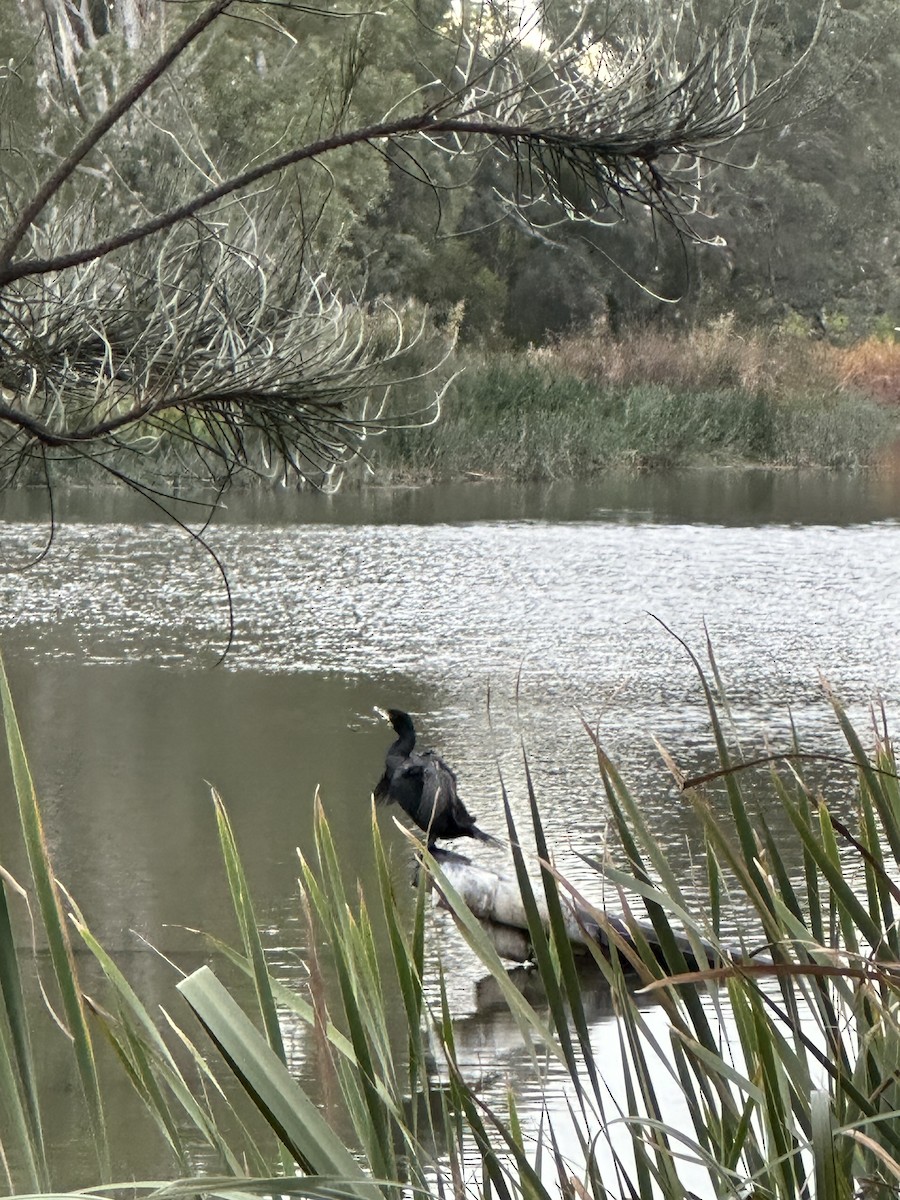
[54, 924]
[19, 1093]
[296, 1121]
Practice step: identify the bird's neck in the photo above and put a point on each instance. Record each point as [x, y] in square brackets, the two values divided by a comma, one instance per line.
[404, 744]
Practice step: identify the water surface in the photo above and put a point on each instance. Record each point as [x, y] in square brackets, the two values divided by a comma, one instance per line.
[500, 617]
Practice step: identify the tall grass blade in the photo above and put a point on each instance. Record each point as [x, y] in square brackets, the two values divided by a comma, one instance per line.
[17, 1140]
[243, 908]
[628, 818]
[254, 1157]
[531, 1026]
[562, 946]
[739, 813]
[543, 953]
[296, 1121]
[493, 1170]
[304, 1187]
[18, 1085]
[135, 1060]
[355, 962]
[873, 779]
[825, 1170]
[54, 926]
[407, 956]
[148, 1060]
[289, 999]
[824, 853]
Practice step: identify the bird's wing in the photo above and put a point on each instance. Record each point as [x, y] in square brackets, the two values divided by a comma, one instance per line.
[445, 781]
[433, 780]
[440, 791]
[382, 792]
[411, 769]
[399, 774]
[461, 814]
[432, 756]
[407, 783]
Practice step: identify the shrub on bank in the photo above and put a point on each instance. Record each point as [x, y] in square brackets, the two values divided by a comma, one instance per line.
[560, 414]
[871, 366]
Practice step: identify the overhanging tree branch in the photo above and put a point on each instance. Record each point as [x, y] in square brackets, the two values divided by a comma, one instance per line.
[113, 114]
[205, 342]
[636, 139]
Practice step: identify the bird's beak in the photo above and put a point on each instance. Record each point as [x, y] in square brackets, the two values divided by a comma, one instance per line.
[382, 712]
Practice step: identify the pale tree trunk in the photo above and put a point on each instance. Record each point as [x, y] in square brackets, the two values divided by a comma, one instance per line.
[75, 26]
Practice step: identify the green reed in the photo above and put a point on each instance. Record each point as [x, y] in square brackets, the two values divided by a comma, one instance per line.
[512, 418]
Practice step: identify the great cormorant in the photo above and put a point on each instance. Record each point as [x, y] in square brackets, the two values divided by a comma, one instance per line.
[424, 786]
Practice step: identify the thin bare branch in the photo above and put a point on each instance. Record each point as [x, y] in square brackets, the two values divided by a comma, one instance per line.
[101, 126]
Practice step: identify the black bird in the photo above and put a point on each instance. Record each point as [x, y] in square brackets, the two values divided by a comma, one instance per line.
[424, 786]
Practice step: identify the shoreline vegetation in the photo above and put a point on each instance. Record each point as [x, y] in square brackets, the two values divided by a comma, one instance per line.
[651, 399]
[648, 398]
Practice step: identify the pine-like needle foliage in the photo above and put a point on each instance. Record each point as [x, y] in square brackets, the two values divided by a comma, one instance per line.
[188, 319]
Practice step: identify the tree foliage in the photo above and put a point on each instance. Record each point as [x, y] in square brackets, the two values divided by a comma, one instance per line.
[815, 230]
[179, 208]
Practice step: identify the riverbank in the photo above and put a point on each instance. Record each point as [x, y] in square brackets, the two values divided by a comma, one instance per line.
[654, 399]
[737, 496]
[651, 399]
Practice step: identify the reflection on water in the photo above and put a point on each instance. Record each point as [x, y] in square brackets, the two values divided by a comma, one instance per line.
[430, 601]
[751, 497]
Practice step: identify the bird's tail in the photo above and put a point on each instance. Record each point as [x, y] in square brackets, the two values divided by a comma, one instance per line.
[481, 836]
[382, 792]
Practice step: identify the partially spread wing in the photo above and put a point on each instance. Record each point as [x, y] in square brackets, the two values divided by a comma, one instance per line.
[396, 784]
[407, 785]
[425, 788]
[435, 763]
[450, 817]
[438, 785]
[382, 791]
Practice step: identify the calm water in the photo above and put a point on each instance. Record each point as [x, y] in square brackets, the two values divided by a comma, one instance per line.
[499, 617]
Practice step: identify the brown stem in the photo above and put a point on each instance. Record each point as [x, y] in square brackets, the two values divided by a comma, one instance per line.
[48, 437]
[616, 148]
[101, 126]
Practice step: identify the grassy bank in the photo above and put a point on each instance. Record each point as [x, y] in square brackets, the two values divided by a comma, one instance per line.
[655, 399]
[649, 398]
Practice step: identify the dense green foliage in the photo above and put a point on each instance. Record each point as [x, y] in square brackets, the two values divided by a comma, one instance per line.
[510, 418]
[811, 229]
[178, 285]
[182, 302]
[809, 215]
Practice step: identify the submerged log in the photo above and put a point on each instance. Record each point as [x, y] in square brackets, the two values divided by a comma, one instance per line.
[496, 900]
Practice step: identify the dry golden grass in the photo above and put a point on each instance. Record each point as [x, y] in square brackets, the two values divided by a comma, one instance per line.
[872, 367]
[656, 397]
[719, 355]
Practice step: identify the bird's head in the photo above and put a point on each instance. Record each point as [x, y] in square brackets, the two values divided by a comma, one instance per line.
[401, 721]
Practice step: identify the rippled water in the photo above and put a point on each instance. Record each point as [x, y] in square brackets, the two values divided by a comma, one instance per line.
[499, 626]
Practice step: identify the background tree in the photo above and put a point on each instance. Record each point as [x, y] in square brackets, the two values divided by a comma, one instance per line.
[815, 229]
[171, 250]
[808, 206]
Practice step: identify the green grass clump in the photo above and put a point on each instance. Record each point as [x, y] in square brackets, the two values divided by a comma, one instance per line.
[505, 418]
[844, 430]
[521, 420]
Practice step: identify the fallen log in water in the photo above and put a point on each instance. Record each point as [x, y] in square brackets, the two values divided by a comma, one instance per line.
[496, 900]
